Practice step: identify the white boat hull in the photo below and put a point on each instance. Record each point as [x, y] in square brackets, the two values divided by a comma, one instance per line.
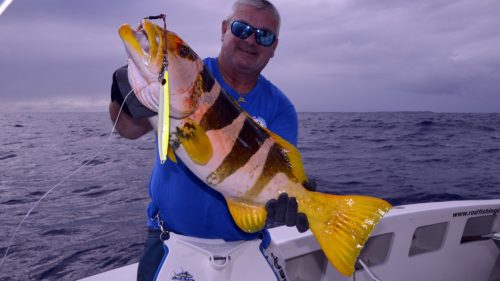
[448, 241]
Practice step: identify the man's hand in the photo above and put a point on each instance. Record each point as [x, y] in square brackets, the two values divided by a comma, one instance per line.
[126, 126]
[284, 211]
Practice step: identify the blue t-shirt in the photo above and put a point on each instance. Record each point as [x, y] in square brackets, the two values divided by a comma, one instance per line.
[190, 207]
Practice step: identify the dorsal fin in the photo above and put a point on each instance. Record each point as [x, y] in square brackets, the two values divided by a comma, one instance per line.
[293, 155]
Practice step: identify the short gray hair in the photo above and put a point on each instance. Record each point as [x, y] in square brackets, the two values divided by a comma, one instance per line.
[258, 4]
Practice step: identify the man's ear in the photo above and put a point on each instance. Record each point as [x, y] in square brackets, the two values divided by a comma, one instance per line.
[275, 45]
[223, 29]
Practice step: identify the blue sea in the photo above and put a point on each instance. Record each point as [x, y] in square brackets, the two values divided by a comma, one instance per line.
[95, 220]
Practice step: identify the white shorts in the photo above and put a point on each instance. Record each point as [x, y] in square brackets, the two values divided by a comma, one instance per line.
[195, 259]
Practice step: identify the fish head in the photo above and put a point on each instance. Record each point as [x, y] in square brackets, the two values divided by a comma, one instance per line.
[145, 62]
[148, 58]
[184, 69]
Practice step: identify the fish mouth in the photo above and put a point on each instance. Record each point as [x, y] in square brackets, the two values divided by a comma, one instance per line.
[142, 37]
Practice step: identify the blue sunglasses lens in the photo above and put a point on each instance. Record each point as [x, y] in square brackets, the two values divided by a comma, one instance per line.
[264, 37]
[243, 30]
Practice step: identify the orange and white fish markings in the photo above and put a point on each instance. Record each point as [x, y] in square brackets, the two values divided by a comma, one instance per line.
[182, 94]
[205, 103]
[245, 178]
[222, 141]
[225, 138]
[249, 165]
[275, 185]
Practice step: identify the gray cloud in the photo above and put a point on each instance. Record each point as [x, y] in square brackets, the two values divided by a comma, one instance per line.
[333, 55]
[398, 48]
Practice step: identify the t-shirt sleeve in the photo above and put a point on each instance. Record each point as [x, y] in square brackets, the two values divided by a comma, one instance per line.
[285, 124]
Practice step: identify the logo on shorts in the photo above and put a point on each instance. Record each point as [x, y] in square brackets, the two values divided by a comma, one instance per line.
[182, 276]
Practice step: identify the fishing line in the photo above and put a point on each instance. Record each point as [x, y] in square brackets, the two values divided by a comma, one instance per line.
[4, 5]
[11, 240]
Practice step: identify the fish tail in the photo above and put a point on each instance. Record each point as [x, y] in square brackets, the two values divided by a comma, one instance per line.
[342, 224]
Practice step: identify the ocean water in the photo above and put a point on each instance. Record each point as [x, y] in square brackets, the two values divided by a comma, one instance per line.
[95, 220]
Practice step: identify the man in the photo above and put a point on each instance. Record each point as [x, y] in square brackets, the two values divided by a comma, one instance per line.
[182, 202]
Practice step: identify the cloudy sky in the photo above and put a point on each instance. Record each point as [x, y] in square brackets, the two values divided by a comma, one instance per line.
[333, 55]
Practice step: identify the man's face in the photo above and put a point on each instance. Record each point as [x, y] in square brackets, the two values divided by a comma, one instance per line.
[245, 55]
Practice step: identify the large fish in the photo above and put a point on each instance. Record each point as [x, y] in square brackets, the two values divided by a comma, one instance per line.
[222, 145]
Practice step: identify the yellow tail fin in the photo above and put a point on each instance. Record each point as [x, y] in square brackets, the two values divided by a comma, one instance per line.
[342, 224]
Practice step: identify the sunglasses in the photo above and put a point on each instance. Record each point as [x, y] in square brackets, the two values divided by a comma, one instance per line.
[243, 30]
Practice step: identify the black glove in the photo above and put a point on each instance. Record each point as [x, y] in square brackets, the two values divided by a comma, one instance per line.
[119, 91]
[284, 211]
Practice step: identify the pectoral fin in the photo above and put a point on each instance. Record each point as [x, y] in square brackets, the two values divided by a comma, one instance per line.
[171, 154]
[249, 218]
[195, 141]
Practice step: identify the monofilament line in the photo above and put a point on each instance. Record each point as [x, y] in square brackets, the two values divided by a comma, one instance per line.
[11, 240]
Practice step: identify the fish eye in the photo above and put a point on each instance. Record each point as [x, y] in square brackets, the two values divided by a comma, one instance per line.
[183, 51]
[186, 52]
